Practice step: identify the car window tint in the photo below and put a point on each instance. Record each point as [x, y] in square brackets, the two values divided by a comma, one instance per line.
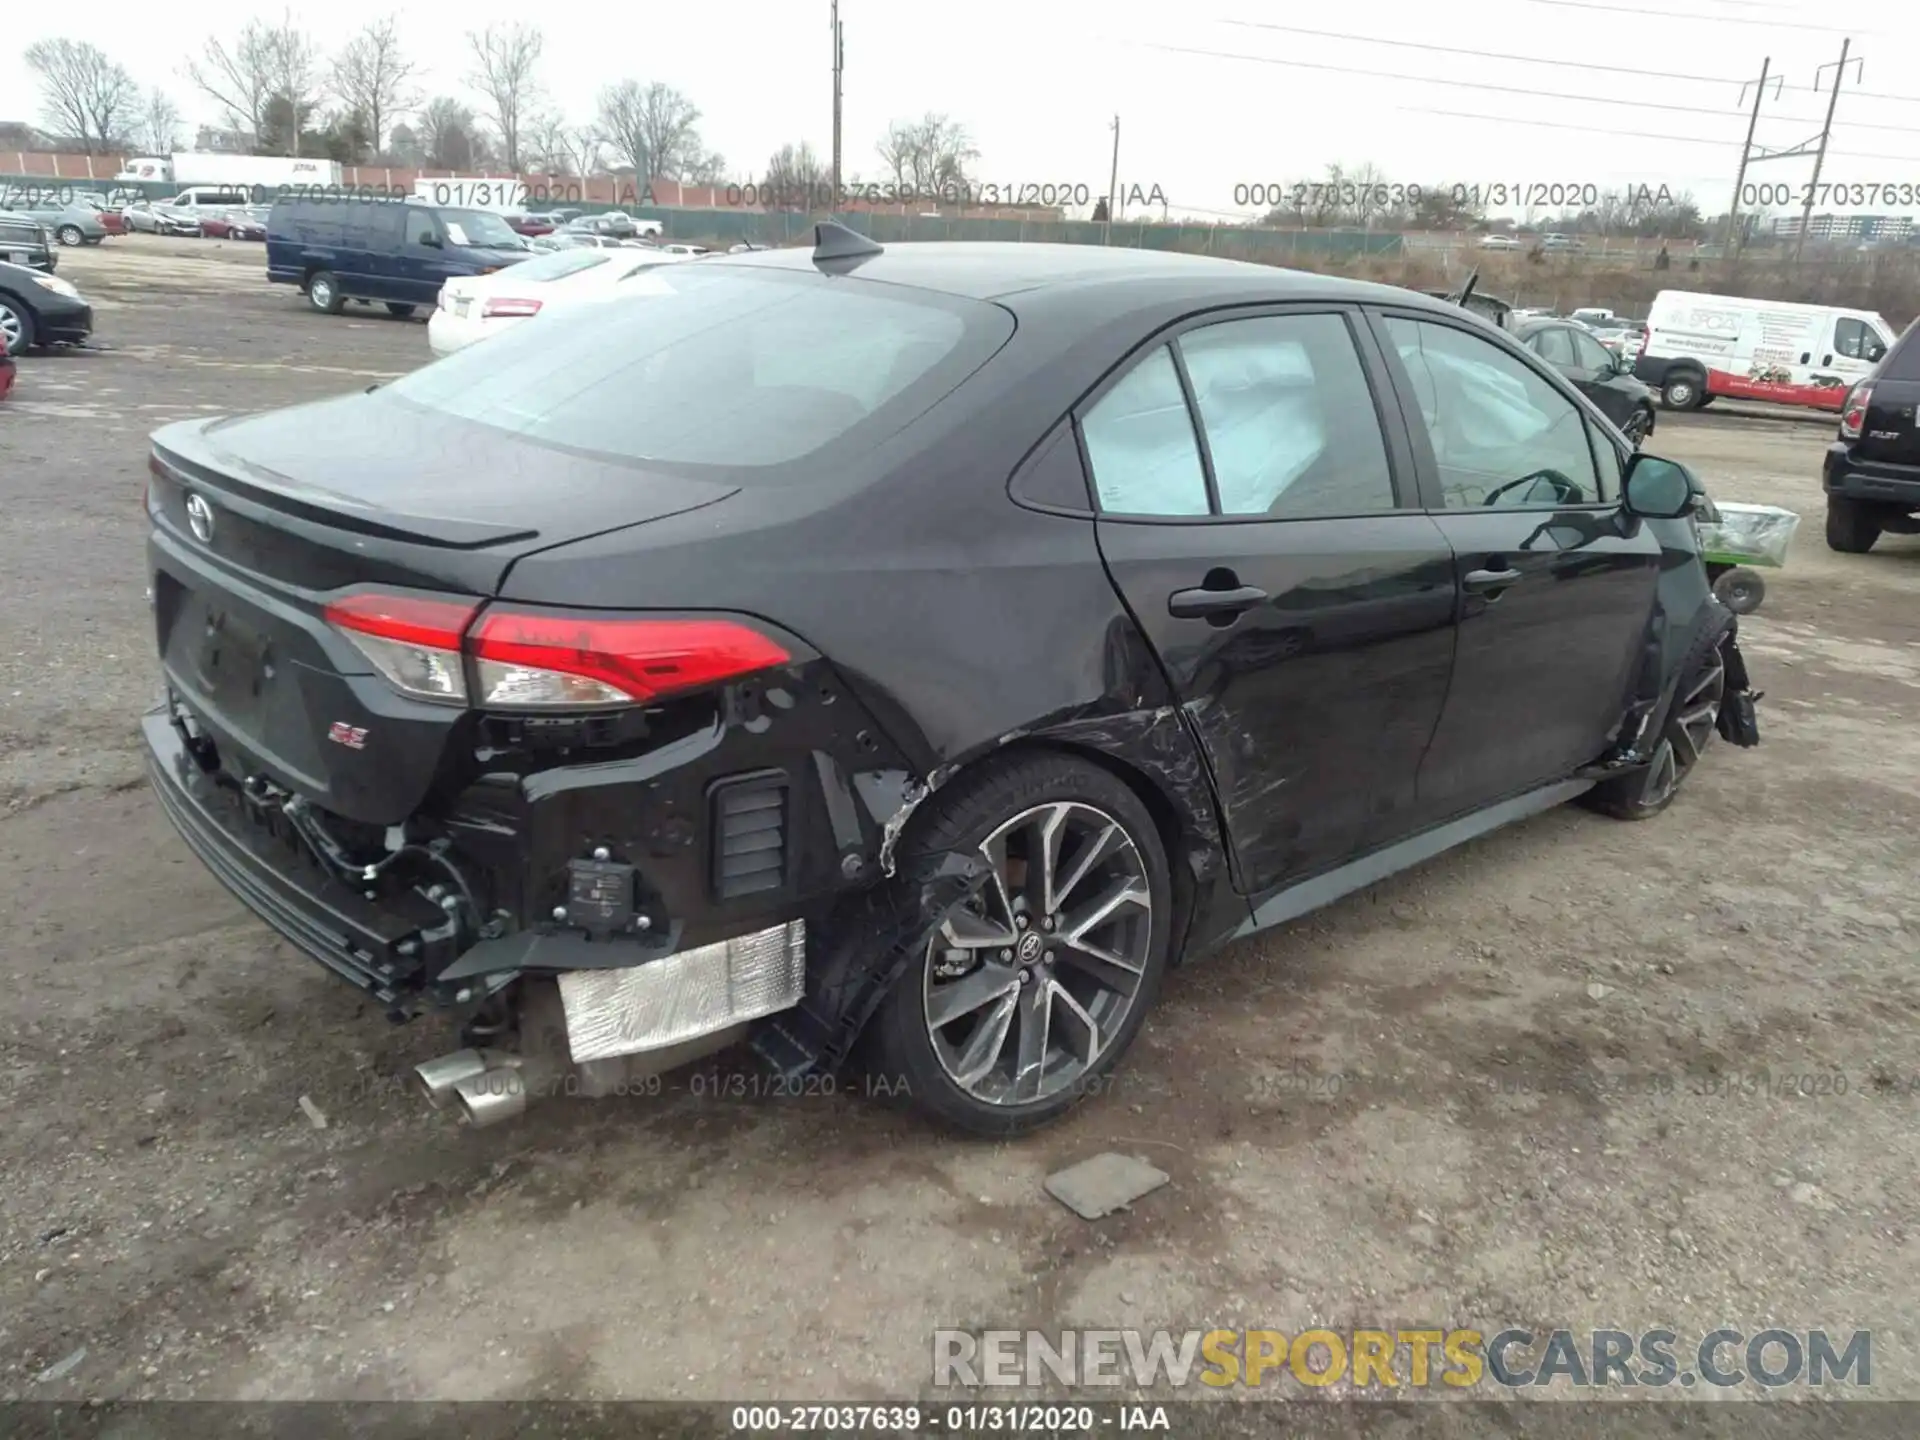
[1141, 445]
[420, 224]
[719, 366]
[1555, 346]
[1589, 353]
[1288, 416]
[1501, 434]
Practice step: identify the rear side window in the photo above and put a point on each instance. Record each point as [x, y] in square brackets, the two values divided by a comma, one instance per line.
[1289, 419]
[1141, 445]
[719, 366]
[1903, 361]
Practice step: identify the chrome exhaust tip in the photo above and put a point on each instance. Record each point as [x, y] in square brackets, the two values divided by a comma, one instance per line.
[492, 1096]
[439, 1077]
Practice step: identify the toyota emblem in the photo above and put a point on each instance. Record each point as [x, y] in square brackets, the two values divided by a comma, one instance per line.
[200, 519]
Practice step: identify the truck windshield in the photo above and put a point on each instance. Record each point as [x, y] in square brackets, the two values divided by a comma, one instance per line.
[481, 227]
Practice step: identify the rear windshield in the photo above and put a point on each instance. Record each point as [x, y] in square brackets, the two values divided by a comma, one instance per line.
[715, 365]
[480, 227]
[1903, 361]
[559, 265]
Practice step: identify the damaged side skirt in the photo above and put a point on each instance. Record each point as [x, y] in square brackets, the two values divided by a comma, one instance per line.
[873, 942]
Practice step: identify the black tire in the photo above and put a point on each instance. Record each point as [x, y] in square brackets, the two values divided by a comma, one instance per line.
[1683, 390]
[399, 311]
[323, 293]
[1645, 793]
[1851, 526]
[70, 235]
[898, 1042]
[1741, 590]
[15, 317]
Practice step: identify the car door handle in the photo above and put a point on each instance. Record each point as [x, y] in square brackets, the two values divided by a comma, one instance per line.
[1826, 360]
[1486, 582]
[1198, 604]
[1806, 357]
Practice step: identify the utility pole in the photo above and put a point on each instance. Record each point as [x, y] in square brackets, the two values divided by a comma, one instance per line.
[1746, 149]
[1819, 159]
[839, 63]
[1113, 180]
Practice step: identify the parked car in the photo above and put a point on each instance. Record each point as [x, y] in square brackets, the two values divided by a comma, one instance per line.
[484, 305]
[392, 252]
[6, 367]
[149, 218]
[1596, 372]
[40, 309]
[1499, 242]
[70, 224]
[1872, 471]
[1077, 697]
[531, 225]
[1701, 347]
[1556, 243]
[577, 240]
[248, 223]
[685, 251]
[24, 241]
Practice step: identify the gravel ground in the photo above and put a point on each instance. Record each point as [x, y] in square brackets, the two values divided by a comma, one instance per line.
[1514, 1087]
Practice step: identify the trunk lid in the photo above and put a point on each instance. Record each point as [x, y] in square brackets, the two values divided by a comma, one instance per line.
[258, 522]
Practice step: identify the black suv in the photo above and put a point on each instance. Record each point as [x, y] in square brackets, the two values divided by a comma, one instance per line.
[1872, 474]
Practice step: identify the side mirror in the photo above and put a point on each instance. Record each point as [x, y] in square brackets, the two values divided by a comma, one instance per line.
[432, 240]
[1876, 352]
[1657, 489]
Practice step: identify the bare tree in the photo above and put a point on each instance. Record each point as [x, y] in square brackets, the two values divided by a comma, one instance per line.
[159, 122]
[84, 94]
[796, 178]
[709, 169]
[264, 64]
[653, 128]
[373, 78]
[504, 61]
[554, 147]
[447, 135]
[929, 155]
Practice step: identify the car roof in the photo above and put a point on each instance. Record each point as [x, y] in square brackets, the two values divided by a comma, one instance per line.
[995, 270]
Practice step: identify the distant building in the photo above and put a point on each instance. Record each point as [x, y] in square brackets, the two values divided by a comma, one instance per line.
[1891, 229]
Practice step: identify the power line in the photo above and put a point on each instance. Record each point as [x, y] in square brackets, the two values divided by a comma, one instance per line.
[1480, 85]
[1709, 19]
[1530, 122]
[1573, 65]
[1482, 54]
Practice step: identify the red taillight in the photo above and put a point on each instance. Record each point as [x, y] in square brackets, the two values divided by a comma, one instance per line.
[498, 309]
[547, 660]
[1853, 418]
[527, 659]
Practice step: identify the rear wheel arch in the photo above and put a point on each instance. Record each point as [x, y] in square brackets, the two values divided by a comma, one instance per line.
[1175, 828]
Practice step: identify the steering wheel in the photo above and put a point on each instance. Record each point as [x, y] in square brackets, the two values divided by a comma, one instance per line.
[1564, 490]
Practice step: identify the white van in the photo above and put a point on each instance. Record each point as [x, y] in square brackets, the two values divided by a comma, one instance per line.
[1700, 347]
[209, 199]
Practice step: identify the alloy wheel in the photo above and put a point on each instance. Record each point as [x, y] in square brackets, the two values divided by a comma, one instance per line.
[1026, 987]
[1696, 714]
[12, 327]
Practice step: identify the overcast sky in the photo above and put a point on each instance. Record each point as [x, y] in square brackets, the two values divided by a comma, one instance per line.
[1038, 83]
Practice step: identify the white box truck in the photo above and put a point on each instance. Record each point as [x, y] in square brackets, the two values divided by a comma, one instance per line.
[268, 173]
[1700, 347]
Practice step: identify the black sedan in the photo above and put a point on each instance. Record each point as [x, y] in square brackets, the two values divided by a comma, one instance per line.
[926, 646]
[40, 309]
[1595, 371]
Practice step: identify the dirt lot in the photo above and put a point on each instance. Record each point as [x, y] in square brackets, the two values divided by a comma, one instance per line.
[1479, 1094]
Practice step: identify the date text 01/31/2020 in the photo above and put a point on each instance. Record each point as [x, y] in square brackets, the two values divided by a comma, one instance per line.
[1060, 194]
[1470, 195]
